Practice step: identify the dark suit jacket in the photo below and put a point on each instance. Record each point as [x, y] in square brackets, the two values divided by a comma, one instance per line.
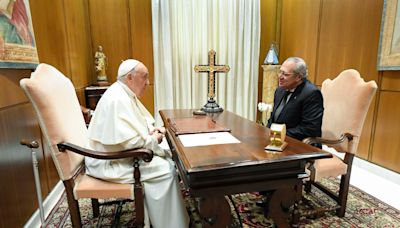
[302, 114]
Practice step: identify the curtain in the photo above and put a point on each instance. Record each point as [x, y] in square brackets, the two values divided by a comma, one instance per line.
[183, 33]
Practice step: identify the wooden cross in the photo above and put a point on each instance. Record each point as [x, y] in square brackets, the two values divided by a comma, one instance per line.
[211, 68]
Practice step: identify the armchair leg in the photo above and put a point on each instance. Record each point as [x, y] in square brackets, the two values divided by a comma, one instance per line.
[307, 186]
[95, 208]
[75, 214]
[138, 192]
[139, 205]
[73, 205]
[344, 186]
[343, 193]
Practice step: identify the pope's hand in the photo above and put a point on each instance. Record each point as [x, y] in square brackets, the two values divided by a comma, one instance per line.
[161, 130]
[158, 135]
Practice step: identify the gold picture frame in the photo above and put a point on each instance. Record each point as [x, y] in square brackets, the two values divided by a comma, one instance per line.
[389, 44]
[17, 40]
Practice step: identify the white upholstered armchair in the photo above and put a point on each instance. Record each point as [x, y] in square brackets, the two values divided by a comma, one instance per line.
[346, 101]
[56, 105]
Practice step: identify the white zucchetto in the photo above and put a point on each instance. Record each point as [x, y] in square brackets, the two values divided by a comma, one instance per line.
[126, 66]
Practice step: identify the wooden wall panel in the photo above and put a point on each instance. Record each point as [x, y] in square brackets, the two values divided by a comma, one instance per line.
[364, 146]
[386, 146]
[148, 99]
[299, 31]
[270, 28]
[79, 43]
[81, 96]
[336, 35]
[10, 92]
[270, 11]
[19, 196]
[391, 80]
[141, 33]
[109, 24]
[349, 38]
[142, 43]
[51, 37]
[63, 38]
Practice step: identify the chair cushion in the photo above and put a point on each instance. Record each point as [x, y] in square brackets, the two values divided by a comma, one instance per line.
[329, 167]
[90, 187]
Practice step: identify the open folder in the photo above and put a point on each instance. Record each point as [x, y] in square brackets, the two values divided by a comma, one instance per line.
[195, 124]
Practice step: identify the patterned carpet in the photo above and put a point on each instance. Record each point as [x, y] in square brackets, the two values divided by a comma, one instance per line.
[363, 210]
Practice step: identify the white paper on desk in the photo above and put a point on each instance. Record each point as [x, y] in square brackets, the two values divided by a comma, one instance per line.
[205, 139]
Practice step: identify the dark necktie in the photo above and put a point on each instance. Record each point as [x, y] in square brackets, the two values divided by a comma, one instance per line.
[282, 104]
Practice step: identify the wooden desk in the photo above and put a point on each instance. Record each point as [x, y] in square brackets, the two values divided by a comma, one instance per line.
[211, 172]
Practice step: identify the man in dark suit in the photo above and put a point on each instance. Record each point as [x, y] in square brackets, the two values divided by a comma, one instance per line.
[297, 102]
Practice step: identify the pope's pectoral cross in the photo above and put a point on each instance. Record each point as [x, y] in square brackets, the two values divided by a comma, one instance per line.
[211, 69]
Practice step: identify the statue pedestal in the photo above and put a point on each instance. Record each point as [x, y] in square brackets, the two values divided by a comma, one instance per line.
[102, 83]
[270, 83]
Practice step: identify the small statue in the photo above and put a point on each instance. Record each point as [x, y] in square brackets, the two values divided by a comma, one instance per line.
[272, 56]
[100, 66]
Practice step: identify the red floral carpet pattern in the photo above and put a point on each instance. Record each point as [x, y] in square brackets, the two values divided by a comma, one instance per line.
[363, 210]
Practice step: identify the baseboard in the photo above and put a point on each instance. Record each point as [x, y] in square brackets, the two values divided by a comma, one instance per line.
[48, 205]
[369, 167]
[377, 170]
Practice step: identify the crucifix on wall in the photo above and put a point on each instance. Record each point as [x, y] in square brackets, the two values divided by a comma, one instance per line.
[211, 69]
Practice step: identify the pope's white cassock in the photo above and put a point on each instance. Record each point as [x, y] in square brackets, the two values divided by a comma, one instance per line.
[122, 122]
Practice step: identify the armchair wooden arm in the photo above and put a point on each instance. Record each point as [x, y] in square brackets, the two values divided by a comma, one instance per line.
[142, 153]
[346, 136]
[137, 153]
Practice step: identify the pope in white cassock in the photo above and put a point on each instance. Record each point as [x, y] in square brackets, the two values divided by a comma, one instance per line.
[120, 122]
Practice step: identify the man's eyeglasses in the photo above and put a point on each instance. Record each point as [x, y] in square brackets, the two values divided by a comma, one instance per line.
[281, 72]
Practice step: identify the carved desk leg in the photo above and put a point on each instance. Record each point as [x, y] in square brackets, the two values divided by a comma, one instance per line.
[299, 196]
[215, 211]
[279, 205]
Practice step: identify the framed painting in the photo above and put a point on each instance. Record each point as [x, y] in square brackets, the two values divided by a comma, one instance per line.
[17, 40]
